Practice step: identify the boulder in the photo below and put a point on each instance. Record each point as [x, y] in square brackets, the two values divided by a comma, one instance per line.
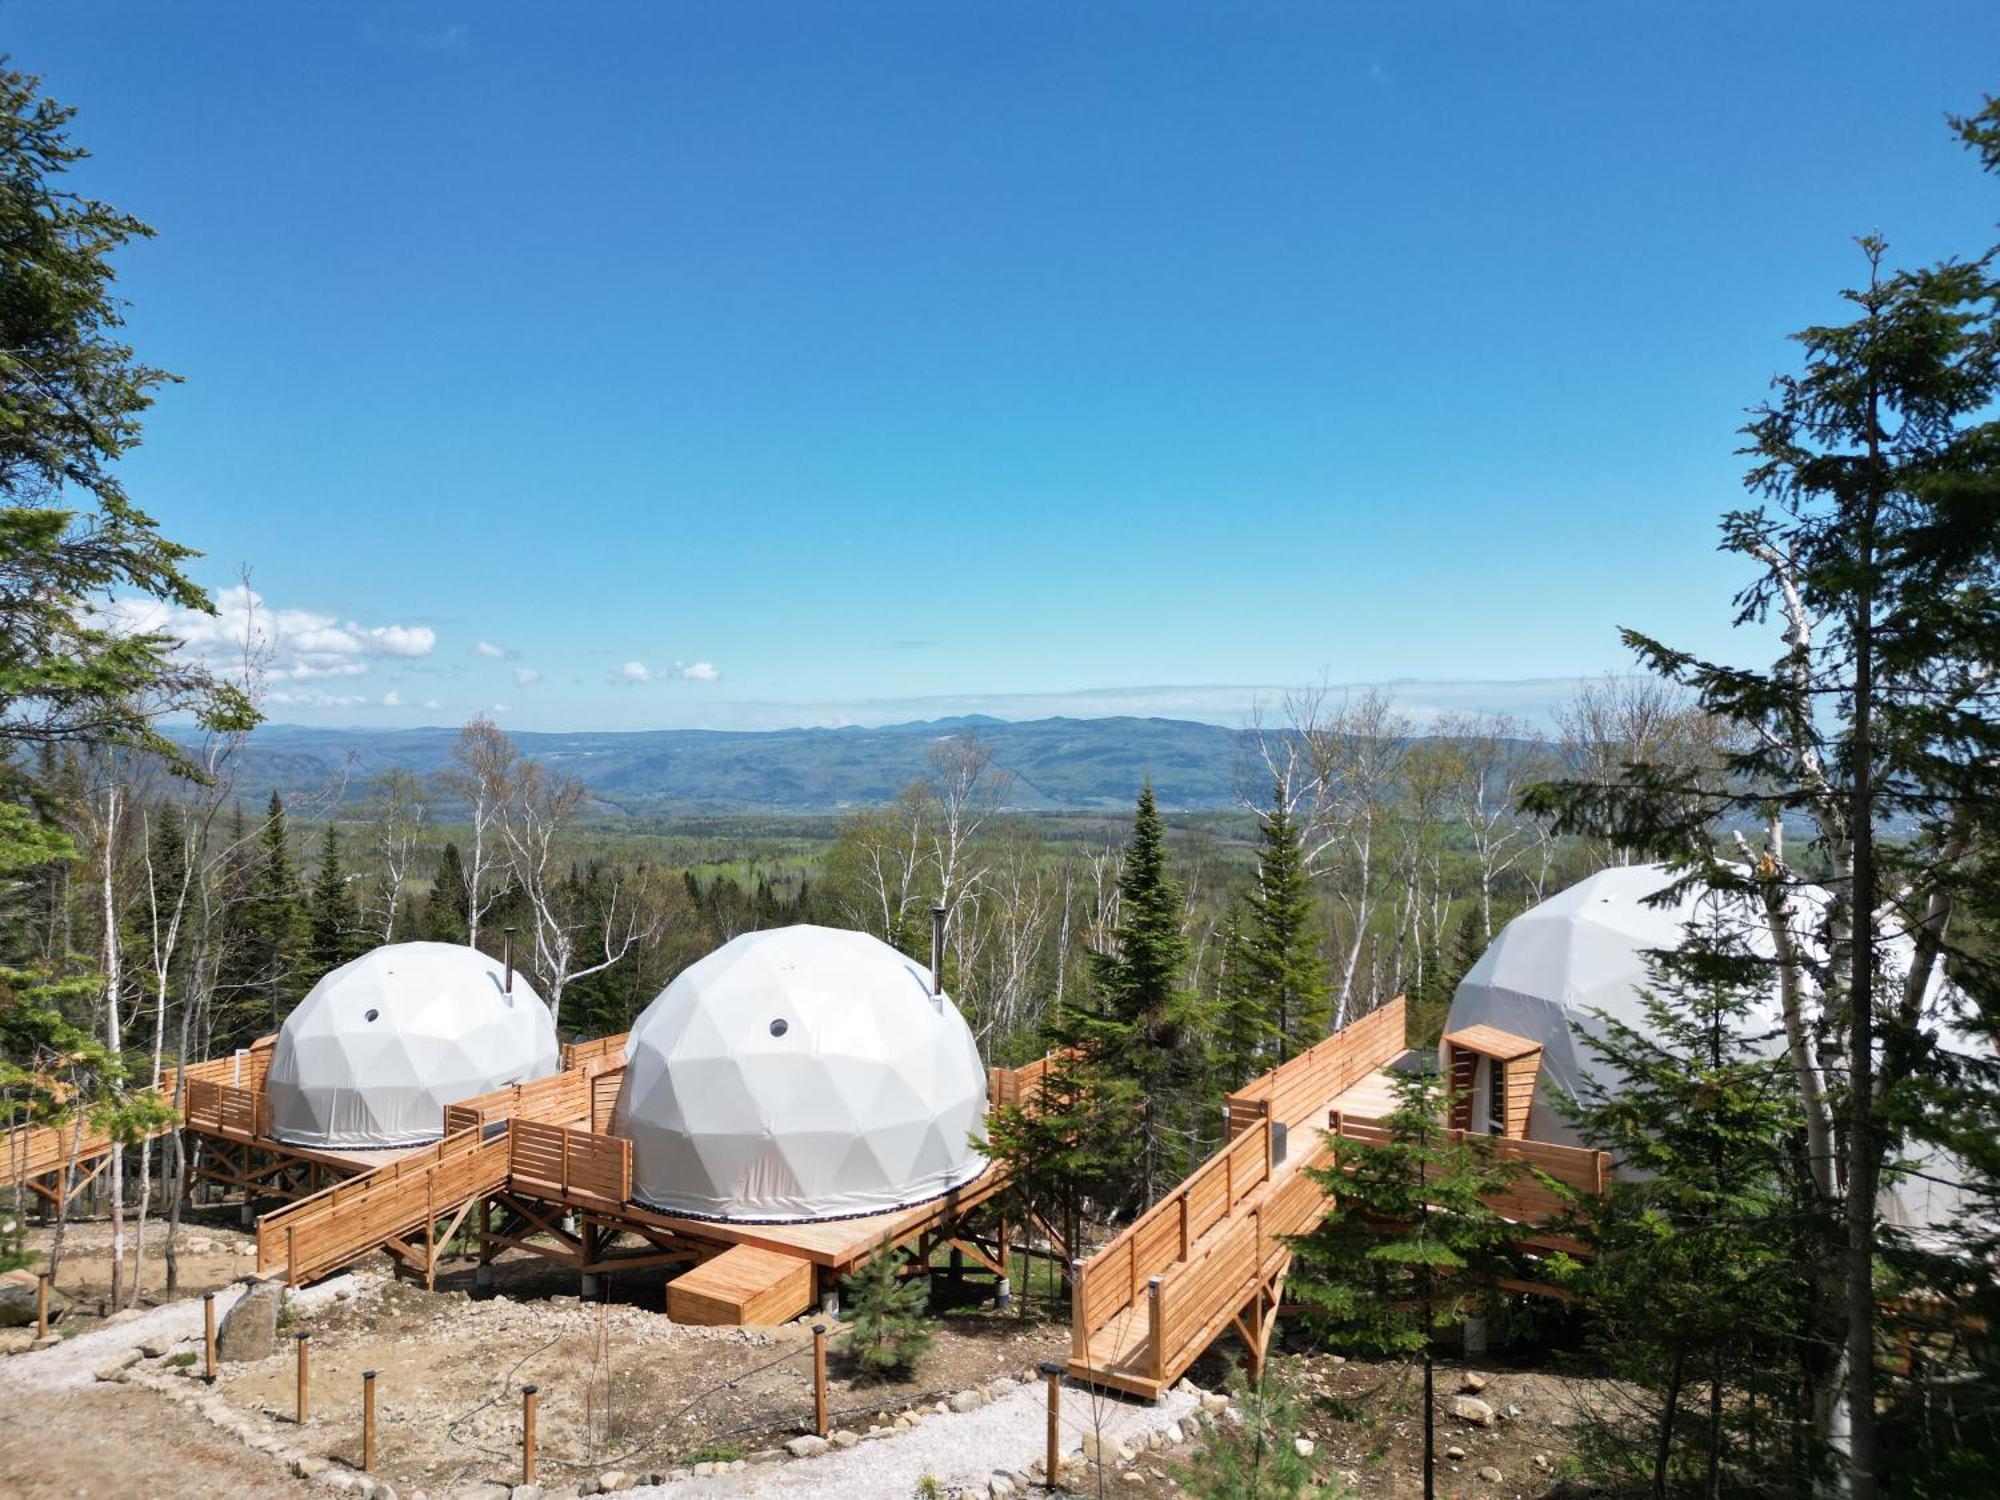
[844, 1438]
[249, 1329]
[613, 1480]
[17, 1299]
[968, 1400]
[1472, 1409]
[808, 1446]
[1472, 1383]
[1491, 1475]
[115, 1367]
[1303, 1447]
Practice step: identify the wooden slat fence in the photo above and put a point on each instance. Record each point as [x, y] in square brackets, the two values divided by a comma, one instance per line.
[1528, 1200]
[1166, 1234]
[1298, 1089]
[224, 1109]
[560, 1096]
[565, 1164]
[339, 1226]
[604, 1089]
[594, 1056]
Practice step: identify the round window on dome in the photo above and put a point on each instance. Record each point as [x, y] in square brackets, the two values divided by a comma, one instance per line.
[371, 1015]
[780, 1026]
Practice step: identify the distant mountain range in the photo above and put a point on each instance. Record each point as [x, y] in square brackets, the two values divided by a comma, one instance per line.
[1055, 764]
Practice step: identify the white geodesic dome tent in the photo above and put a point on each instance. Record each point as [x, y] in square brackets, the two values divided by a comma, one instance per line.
[801, 1073]
[1551, 971]
[381, 1045]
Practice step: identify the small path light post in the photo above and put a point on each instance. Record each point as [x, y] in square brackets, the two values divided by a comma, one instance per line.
[528, 1398]
[1052, 1464]
[819, 1379]
[305, 1378]
[367, 1421]
[208, 1336]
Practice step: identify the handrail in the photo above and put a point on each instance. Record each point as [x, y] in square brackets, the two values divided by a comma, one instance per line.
[1578, 1167]
[1298, 1086]
[559, 1096]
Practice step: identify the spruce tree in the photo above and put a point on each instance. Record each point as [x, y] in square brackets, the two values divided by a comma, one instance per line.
[1257, 1458]
[1142, 1022]
[333, 923]
[1409, 1246]
[889, 1330]
[275, 931]
[1281, 940]
[1701, 1250]
[447, 917]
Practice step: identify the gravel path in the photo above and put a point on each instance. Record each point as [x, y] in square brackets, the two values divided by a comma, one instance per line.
[958, 1450]
[72, 1363]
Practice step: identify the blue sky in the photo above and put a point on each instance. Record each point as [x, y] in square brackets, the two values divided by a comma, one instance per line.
[746, 364]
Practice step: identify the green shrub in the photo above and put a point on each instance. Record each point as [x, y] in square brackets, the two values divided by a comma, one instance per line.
[888, 1330]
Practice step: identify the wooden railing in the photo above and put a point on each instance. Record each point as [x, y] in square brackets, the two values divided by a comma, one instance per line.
[245, 1068]
[560, 1096]
[592, 1057]
[1167, 1233]
[1528, 1199]
[341, 1224]
[1194, 1301]
[224, 1109]
[555, 1161]
[1297, 1089]
[604, 1089]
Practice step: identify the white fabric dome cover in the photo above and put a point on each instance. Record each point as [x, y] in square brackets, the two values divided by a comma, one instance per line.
[1584, 950]
[381, 1045]
[800, 1073]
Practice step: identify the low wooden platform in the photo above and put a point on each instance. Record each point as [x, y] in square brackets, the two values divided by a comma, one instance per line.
[744, 1284]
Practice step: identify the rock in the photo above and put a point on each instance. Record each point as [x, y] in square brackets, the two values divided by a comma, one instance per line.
[249, 1330]
[1542, 1461]
[968, 1400]
[612, 1480]
[843, 1438]
[198, 1244]
[704, 1471]
[999, 1388]
[767, 1455]
[525, 1492]
[1214, 1402]
[1491, 1475]
[999, 1485]
[17, 1299]
[1473, 1383]
[1303, 1447]
[1472, 1409]
[808, 1446]
[1511, 1412]
[1454, 1452]
[115, 1367]
[381, 1489]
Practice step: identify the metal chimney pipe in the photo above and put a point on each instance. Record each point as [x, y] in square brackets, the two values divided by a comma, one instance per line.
[507, 957]
[937, 950]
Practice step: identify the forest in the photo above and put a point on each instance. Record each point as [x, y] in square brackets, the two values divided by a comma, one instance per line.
[152, 914]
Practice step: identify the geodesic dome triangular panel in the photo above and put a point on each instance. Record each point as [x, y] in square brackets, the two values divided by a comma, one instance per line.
[801, 1073]
[381, 1045]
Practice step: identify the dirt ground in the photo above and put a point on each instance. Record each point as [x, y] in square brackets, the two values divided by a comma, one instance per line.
[116, 1441]
[621, 1387]
[214, 1252]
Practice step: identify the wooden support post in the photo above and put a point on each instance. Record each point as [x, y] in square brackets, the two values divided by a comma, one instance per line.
[1052, 1461]
[305, 1379]
[41, 1307]
[367, 1421]
[528, 1400]
[819, 1379]
[1079, 1340]
[1156, 1332]
[208, 1336]
[1183, 1200]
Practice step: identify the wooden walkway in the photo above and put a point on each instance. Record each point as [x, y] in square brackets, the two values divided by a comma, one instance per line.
[1213, 1256]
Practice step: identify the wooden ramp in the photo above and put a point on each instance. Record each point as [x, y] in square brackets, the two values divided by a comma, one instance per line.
[744, 1284]
[1213, 1254]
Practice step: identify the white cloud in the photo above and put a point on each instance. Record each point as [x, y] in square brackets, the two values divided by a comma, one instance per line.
[432, 704]
[502, 708]
[314, 698]
[392, 699]
[247, 636]
[490, 651]
[700, 671]
[526, 676]
[635, 671]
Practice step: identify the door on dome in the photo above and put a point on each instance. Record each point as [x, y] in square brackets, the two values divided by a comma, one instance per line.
[1496, 1096]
